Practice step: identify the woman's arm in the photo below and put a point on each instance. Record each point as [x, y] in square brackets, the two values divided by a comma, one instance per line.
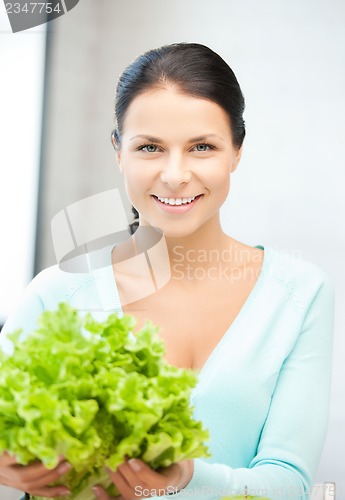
[25, 315]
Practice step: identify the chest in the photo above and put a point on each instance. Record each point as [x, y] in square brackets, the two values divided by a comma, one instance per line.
[192, 323]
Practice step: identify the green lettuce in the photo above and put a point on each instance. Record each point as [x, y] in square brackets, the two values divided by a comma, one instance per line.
[94, 393]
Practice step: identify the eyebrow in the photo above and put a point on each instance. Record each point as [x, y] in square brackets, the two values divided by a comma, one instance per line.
[193, 139]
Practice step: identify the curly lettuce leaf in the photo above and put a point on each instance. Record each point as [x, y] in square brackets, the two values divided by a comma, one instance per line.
[94, 393]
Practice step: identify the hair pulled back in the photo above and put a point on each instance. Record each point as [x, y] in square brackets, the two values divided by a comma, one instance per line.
[194, 69]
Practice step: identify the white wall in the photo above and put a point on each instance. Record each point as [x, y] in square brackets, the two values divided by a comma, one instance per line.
[21, 89]
[21, 92]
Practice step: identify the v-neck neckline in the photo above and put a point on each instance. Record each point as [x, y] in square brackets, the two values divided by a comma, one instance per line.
[110, 301]
[212, 358]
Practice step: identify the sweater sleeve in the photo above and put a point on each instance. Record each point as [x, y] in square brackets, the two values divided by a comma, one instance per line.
[24, 317]
[294, 432]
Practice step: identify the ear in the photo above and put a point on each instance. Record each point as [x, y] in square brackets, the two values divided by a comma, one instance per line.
[237, 159]
[118, 153]
[118, 159]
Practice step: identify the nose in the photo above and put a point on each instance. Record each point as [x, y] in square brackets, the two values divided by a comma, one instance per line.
[174, 173]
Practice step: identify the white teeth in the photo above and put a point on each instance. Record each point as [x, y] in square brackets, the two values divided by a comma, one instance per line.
[176, 201]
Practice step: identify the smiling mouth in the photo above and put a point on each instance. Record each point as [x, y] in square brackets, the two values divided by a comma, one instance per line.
[176, 201]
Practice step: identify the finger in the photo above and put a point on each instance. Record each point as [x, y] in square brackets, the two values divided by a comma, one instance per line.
[122, 485]
[28, 483]
[143, 472]
[172, 471]
[38, 473]
[35, 469]
[130, 475]
[179, 473]
[7, 459]
[50, 492]
[51, 476]
[100, 493]
[161, 480]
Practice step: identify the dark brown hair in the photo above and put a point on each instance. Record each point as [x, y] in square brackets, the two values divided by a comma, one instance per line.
[194, 69]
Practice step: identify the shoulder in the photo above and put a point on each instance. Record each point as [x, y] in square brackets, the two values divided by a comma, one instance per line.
[53, 284]
[291, 267]
[44, 292]
[301, 278]
[56, 278]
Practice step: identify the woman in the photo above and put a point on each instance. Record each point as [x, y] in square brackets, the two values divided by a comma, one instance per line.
[256, 324]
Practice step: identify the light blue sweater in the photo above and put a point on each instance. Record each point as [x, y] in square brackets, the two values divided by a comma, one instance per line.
[264, 391]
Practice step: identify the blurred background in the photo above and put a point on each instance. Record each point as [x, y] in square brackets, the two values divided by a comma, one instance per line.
[56, 114]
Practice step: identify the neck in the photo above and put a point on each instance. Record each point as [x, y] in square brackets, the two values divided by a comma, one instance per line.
[206, 240]
[204, 251]
[205, 256]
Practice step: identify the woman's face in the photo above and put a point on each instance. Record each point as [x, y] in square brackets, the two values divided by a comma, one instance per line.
[174, 148]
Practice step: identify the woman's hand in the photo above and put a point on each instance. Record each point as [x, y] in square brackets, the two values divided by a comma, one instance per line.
[33, 478]
[134, 479]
